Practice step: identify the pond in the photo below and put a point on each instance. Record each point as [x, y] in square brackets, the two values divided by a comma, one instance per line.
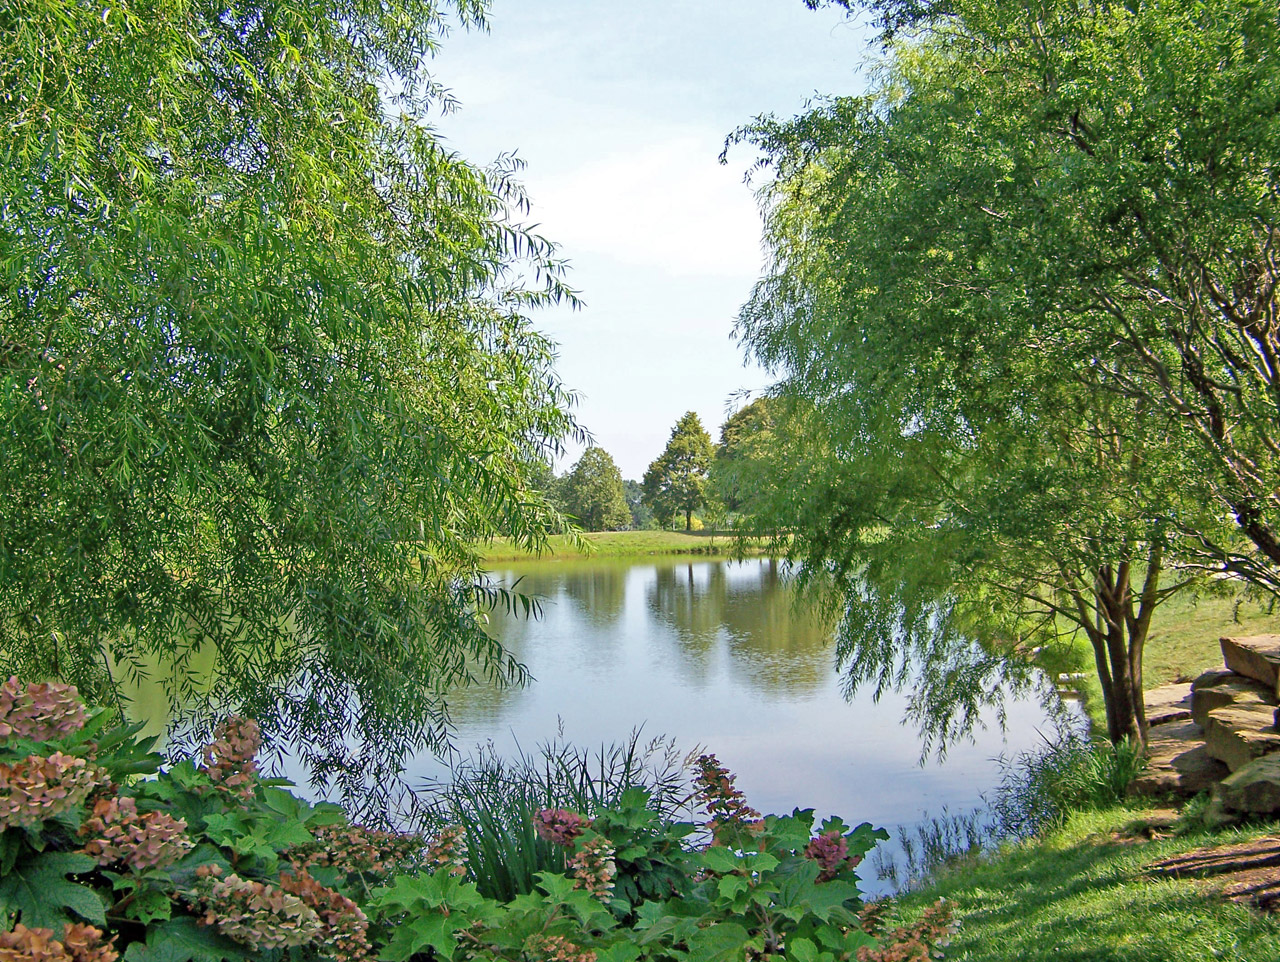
[718, 654]
[713, 654]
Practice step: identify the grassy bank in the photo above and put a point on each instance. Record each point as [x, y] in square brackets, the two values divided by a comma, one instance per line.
[624, 544]
[1184, 633]
[1082, 894]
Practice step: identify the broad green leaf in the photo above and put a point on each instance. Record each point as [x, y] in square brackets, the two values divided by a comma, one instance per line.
[183, 940]
[720, 942]
[39, 890]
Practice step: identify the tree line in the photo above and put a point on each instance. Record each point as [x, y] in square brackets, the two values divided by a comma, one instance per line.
[692, 474]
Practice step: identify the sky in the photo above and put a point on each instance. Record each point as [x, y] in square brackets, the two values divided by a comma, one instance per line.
[620, 111]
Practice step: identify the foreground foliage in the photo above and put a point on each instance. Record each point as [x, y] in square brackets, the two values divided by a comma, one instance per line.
[265, 375]
[103, 855]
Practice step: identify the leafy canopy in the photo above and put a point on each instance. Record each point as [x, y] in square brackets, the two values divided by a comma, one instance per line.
[1021, 295]
[676, 480]
[265, 373]
[594, 494]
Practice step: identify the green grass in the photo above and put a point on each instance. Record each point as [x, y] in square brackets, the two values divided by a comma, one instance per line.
[622, 544]
[1076, 894]
[1183, 641]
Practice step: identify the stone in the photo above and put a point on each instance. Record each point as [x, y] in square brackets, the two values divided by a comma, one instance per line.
[1237, 690]
[1256, 656]
[1253, 788]
[1212, 677]
[1177, 762]
[1238, 734]
[1168, 703]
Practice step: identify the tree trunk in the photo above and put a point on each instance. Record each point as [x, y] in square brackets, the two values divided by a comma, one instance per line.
[688, 519]
[1118, 634]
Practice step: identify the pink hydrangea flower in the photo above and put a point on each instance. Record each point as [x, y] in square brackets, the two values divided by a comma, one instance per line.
[831, 851]
[39, 712]
[559, 826]
[117, 833]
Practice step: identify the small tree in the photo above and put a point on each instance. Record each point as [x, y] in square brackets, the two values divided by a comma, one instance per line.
[677, 479]
[594, 494]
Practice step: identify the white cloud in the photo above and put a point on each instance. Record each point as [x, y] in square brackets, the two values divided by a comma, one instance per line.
[668, 205]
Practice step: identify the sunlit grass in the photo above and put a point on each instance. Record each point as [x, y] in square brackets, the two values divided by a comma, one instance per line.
[619, 544]
[1078, 894]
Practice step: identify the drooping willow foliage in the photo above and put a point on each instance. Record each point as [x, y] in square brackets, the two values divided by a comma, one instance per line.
[1023, 297]
[265, 374]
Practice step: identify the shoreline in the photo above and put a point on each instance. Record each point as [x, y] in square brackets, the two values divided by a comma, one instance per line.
[633, 544]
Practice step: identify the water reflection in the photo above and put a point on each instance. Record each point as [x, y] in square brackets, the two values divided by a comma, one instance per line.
[719, 654]
[747, 618]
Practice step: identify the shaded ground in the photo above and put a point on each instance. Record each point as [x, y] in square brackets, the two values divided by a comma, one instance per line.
[1246, 872]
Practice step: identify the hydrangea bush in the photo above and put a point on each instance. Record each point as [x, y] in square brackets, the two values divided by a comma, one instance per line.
[105, 856]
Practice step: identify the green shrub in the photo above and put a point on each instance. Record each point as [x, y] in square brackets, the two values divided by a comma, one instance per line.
[105, 853]
[496, 801]
[1072, 773]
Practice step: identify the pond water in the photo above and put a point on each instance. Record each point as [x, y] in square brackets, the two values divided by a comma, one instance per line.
[718, 654]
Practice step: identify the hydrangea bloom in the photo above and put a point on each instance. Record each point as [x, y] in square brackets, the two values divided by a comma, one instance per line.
[229, 758]
[39, 788]
[720, 799]
[448, 850]
[831, 851]
[39, 712]
[355, 849]
[119, 834]
[555, 948]
[594, 868]
[255, 914]
[344, 929]
[559, 826]
[79, 943]
[920, 941]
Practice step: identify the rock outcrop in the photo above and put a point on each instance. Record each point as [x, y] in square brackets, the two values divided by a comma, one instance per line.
[1223, 689]
[1256, 657]
[1222, 732]
[1253, 788]
[1236, 735]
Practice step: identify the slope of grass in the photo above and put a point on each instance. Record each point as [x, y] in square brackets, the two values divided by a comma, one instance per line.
[621, 544]
[1077, 894]
[1184, 633]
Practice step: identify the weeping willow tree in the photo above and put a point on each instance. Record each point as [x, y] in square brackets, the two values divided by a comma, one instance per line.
[265, 368]
[1023, 297]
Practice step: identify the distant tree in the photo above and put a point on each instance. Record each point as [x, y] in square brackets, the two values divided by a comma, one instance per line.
[677, 479]
[738, 472]
[593, 492]
[641, 514]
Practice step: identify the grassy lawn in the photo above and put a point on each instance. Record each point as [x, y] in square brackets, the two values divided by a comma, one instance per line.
[1184, 634]
[621, 544]
[1076, 894]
